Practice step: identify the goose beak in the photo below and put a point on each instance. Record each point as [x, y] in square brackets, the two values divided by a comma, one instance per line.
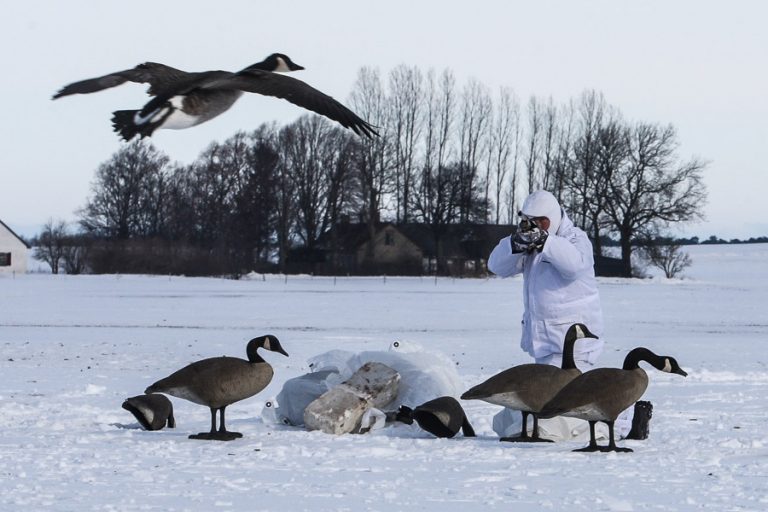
[282, 351]
[680, 371]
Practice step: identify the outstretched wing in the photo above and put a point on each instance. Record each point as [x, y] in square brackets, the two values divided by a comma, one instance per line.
[295, 91]
[159, 77]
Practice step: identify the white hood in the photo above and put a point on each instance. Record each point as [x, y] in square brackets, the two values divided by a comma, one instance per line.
[543, 204]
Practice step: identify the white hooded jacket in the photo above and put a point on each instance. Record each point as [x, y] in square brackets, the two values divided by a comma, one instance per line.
[559, 290]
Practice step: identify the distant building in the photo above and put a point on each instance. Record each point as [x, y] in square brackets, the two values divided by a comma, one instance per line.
[400, 249]
[408, 249]
[13, 251]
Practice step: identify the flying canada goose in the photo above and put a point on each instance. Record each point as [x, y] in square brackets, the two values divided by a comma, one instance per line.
[442, 417]
[152, 411]
[527, 387]
[602, 394]
[182, 100]
[219, 381]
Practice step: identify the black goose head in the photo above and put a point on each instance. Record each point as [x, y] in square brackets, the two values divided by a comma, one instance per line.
[664, 363]
[267, 342]
[575, 332]
[277, 62]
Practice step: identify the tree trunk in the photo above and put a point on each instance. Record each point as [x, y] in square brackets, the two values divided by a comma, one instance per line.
[626, 253]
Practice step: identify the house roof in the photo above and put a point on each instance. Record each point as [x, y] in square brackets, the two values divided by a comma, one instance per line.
[14, 234]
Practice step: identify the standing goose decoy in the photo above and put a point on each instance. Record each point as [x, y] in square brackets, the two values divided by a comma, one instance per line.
[220, 381]
[602, 394]
[182, 100]
[152, 411]
[527, 387]
[442, 417]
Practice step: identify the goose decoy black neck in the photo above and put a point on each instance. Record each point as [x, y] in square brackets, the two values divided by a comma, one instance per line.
[575, 332]
[664, 363]
[267, 342]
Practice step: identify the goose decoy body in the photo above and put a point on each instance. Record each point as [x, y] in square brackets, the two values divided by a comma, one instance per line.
[442, 417]
[602, 394]
[527, 387]
[182, 100]
[153, 411]
[220, 381]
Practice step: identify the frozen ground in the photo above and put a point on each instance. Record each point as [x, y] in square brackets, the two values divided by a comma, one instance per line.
[74, 347]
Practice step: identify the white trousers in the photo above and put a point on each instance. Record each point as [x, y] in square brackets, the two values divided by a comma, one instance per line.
[509, 423]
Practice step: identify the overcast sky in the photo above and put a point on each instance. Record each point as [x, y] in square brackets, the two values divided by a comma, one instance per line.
[699, 65]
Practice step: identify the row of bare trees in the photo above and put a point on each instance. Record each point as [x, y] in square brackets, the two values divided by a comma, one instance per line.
[464, 154]
[447, 154]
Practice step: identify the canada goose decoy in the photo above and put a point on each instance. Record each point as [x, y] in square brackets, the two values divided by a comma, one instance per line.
[182, 100]
[602, 394]
[152, 411]
[220, 381]
[442, 417]
[527, 387]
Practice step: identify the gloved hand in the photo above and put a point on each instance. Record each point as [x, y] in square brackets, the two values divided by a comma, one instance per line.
[528, 240]
[538, 237]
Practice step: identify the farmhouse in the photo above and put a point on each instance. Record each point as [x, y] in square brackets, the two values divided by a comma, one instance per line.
[13, 251]
[401, 249]
[459, 250]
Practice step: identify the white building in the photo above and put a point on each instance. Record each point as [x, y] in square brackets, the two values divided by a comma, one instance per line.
[13, 251]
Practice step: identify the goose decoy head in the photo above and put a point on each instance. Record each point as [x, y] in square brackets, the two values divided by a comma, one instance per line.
[671, 366]
[267, 342]
[578, 331]
[663, 363]
[278, 62]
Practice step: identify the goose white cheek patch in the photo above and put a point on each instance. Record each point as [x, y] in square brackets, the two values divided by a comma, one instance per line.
[667, 366]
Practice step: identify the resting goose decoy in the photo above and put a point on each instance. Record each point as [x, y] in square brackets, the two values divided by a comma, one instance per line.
[527, 387]
[602, 394]
[220, 381]
[442, 417]
[152, 411]
[182, 100]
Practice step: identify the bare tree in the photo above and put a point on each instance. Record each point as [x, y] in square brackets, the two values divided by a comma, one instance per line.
[473, 132]
[76, 254]
[437, 192]
[666, 255]
[128, 194]
[533, 143]
[319, 157]
[50, 244]
[406, 100]
[514, 181]
[502, 150]
[652, 189]
[549, 145]
[582, 189]
[374, 167]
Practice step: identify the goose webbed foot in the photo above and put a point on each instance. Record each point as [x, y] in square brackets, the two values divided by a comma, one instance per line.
[590, 448]
[222, 434]
[217, 436]
[525, 439]
[616, 449]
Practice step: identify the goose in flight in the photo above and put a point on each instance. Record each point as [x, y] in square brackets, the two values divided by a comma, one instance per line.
[182, 100]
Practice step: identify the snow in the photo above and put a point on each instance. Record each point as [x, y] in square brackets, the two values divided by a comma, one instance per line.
[74, 347]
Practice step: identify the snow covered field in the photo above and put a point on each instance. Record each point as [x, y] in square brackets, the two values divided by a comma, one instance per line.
[73, 347]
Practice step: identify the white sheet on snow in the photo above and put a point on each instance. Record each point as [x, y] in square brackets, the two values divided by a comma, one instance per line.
[424, 375]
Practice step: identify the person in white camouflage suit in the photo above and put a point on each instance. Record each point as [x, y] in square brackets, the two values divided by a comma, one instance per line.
[559, 289]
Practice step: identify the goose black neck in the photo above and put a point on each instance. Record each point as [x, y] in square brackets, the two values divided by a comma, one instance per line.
[640, 354]
[568, 362]
[253, 353]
